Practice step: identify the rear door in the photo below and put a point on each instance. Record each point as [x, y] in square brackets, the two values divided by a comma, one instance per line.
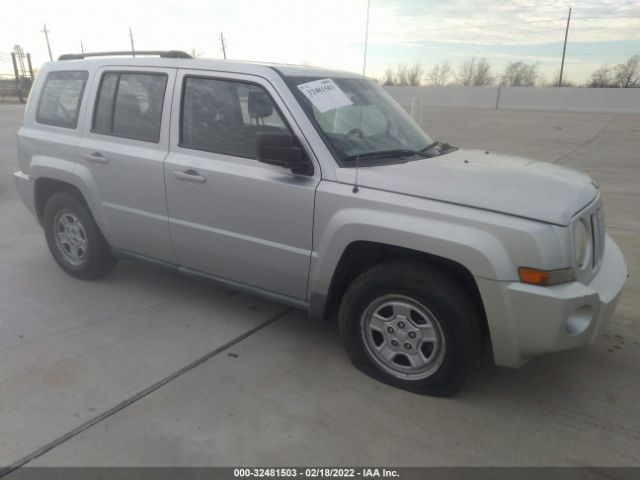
[125, 142]
[231, 216]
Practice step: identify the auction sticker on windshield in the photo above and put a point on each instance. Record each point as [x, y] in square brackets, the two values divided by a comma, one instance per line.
[325, 94]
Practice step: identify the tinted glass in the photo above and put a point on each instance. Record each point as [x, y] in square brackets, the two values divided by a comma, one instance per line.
[136, 110]
[104, 103]
[60, 99]
[225, 117]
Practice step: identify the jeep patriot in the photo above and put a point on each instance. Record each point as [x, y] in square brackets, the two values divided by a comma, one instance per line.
[314, 188]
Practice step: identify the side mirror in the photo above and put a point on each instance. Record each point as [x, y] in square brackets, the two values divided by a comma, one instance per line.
[279, 148]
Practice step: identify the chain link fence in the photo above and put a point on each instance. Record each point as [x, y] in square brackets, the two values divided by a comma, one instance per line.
[15, 86]
[14, 90]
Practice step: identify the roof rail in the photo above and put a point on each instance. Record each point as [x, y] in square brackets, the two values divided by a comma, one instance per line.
[161, 53]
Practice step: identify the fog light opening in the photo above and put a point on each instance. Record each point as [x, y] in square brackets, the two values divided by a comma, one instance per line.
[579, 320]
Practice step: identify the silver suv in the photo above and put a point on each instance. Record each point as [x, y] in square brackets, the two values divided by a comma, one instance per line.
[314, 188]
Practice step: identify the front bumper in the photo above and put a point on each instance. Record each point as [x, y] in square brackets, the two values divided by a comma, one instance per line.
[25, 187]
[527, 320]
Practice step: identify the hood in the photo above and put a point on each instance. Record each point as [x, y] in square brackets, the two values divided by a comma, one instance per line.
[501, 183]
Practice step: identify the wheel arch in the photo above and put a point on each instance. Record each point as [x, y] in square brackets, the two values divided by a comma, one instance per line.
[45, 187]
[52, 175]
[359, 256]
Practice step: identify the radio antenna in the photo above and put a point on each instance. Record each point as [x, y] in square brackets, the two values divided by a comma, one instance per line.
[364, 70]
[355, 183]
[366, 40]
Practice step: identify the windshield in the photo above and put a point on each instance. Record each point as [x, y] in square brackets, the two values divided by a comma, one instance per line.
[358, 119]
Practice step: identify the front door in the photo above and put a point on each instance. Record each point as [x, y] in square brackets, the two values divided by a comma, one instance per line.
[230, 216]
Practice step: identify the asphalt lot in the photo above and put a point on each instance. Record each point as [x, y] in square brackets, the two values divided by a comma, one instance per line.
[102, 373]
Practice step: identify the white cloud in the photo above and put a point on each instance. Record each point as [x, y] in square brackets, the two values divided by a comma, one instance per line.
[517, 22]
[328, 33]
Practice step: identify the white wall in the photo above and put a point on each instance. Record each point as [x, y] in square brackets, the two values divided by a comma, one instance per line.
[567, 99]
[472, 97]
[572, 99]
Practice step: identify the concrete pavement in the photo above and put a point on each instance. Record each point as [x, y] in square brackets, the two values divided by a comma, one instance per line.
[87, 355]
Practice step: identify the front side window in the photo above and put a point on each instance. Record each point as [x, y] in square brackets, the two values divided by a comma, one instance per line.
[225, 117]
[60, 99]
[357, 118]
[130, 105]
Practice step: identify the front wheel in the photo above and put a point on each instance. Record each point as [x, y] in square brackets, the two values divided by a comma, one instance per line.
[74, 239]
[413, 327]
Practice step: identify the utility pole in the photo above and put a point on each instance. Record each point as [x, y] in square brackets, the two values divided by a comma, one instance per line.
[46, 35]
[224, 50]
[18, 78]
[564, 48]
[20, 56]
[81, 47]
[30, 66]
[133, 50]
[366, 40]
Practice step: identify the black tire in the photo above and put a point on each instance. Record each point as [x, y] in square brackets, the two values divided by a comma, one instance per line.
[95, 259]
[454, 319]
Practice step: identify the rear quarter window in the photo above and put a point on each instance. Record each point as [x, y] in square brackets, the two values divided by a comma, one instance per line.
[60, 99]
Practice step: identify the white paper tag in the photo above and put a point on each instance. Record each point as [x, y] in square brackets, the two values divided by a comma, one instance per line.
[325, 94]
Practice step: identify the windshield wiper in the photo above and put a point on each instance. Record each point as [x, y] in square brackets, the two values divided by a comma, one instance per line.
[401, 152]
[442, 146]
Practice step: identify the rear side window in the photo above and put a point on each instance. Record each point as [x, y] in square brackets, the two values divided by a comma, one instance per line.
[59, 102]
[225, 117]
[130, 105]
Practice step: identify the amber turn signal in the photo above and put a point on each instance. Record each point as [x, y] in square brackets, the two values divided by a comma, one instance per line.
[545, 278]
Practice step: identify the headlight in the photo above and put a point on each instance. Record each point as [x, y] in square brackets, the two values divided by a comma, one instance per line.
[581, 243]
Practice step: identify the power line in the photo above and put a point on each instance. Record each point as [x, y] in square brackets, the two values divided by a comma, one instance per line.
[607, 18]
[608, 52]
[474, 27]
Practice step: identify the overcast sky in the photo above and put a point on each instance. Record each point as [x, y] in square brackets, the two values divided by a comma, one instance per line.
[331, 32]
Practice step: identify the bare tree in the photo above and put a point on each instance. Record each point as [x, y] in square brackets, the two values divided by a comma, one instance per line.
[475, 72]
[388, 78]
[466, 72]
[555, 80]
[627, 74]
[482, 75]
[439, 74]
[401, 75]
[601, 78]
[414, 75]
[520, 74]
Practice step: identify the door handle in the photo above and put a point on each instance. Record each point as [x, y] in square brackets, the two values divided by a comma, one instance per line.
[189, 176]
[96, 157]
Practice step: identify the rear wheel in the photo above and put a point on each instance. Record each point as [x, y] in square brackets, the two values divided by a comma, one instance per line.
[413, 327]
[74, 239]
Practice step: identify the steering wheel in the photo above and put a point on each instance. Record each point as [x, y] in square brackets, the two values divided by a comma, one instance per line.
[355, 131]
